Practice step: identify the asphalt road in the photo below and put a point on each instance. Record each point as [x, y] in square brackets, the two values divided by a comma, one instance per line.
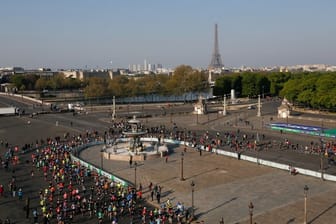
[27, 129]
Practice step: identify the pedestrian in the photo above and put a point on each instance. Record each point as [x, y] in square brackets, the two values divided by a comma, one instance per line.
[1, 190]
[166, 158]
[20, 194]
[130, 161]
[14, 190]
[158, 196]
[155, 188]
[152, 194]
[35, 216]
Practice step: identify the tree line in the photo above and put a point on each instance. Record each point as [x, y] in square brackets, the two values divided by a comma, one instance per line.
[185, 79]
[35, 82]
[251, 84]
[316, 90]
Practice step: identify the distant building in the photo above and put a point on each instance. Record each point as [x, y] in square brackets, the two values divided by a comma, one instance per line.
[11, 70]
[83, 74]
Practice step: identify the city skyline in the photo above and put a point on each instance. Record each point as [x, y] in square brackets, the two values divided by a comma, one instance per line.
[106, 34]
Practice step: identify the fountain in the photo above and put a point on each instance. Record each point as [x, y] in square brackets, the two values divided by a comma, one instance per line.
[134, 133]
[132, 147]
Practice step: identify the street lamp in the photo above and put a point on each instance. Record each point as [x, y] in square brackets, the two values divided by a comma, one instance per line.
[192, 184]
[171, 113]
[250, 206]
[305, 190]
[182, 178]
[135, 177]
[102, 158]
[322, 164]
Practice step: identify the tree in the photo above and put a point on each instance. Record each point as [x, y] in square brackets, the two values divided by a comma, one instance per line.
[97, 88]
[277, 81]
[249, 85]
[42, 83]
[291, 90]
[236, 83]
[223, 85]
[17, 80]
[23, 81]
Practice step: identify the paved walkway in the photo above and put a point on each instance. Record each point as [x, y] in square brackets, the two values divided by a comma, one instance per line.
[225, 186]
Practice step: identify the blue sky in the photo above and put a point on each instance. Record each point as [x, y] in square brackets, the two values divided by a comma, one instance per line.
[92, 33]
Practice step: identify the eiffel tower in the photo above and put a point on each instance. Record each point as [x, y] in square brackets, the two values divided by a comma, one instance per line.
[216, 60]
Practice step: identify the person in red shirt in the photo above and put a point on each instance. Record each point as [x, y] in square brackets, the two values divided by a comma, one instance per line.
[1, 190]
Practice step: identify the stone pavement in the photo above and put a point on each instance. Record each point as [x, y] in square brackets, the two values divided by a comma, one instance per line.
[277, 196]
[225, 186]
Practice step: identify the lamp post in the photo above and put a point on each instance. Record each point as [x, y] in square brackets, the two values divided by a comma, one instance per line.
[250, 206]
[171, 113]
[192, 184]
[224, 105]
[259, 107]
[322, 164]
[113, 109]
[102, 158]
[182, 178]
[305, 191]
[135, 174]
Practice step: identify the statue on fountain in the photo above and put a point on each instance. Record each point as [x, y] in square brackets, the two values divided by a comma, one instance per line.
[134, 132]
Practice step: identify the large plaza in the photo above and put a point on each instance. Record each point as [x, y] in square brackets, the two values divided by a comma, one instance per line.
[224, 187]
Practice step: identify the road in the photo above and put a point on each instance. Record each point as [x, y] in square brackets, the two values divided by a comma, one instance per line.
[17, 131]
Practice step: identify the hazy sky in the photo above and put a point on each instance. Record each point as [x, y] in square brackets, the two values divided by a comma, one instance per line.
[92, 33]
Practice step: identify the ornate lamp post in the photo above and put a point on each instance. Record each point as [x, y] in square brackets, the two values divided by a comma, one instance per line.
[135, 174]
[305, 191]
[182, 155]
[250, 206]
[192, 184]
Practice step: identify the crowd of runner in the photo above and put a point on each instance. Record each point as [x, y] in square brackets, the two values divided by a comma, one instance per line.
[73, 191]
